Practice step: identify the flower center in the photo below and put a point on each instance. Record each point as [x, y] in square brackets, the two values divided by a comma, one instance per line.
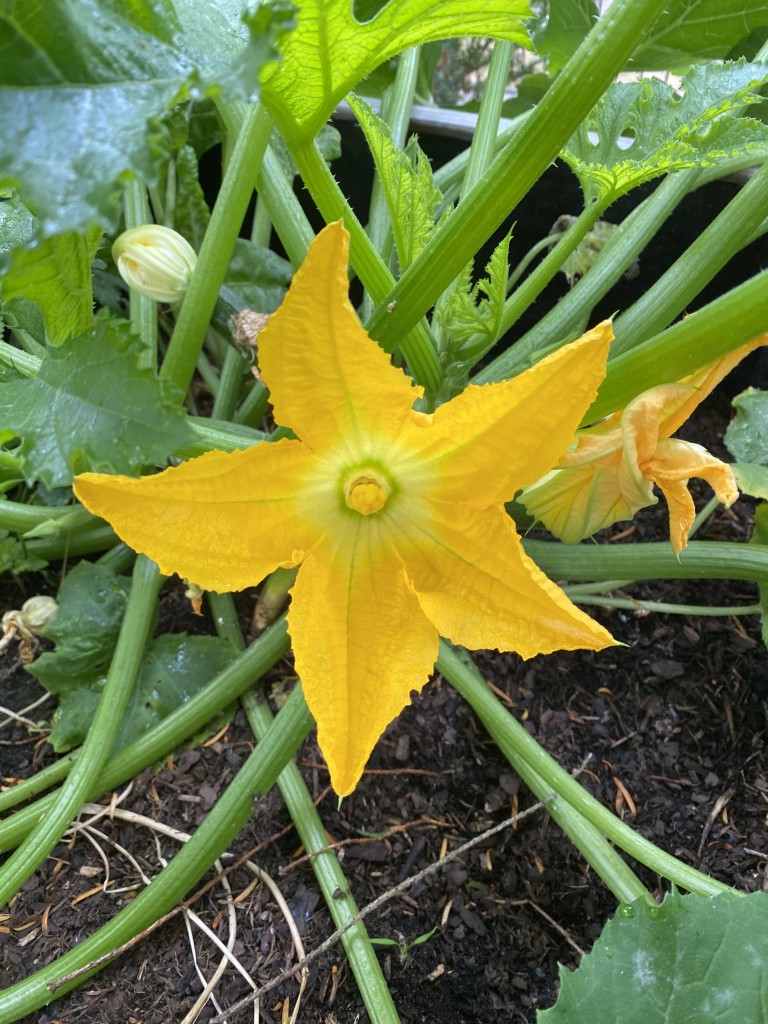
[366, 491]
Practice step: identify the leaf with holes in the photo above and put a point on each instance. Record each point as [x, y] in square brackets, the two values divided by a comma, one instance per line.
[640, 130]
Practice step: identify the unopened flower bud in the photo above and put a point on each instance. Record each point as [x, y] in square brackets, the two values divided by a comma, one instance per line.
[38, 612]
[156, 261]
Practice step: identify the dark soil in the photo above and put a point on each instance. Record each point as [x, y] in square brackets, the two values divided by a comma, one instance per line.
[675, 724]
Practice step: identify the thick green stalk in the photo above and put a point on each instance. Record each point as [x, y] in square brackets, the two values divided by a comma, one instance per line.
[483, 146]
[230, 385]
[506, 730]
[21, 518]
[224, 821]
[706, 560]
[84, 540]
[710, 332]
[184, 722]
[534, 146]
[417, 346]
[216, 250]
[563, 322]
[220, 435]
[84, 776]
[591, 843]
[527, 293]
[727, 234]
[360, 953]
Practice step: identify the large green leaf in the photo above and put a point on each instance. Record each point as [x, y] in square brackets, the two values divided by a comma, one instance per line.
[56, 274]
[84, 84]
[330, 51]
[640, 130]
[92, 602]
[688, 961]
[91, 406]
[697, 30]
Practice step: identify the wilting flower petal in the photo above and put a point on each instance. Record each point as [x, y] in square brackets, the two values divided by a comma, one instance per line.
[609, 473]
[394, 517]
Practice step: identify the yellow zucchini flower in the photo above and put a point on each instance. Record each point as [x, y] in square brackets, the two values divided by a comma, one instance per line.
[395, 517]
[610, 472]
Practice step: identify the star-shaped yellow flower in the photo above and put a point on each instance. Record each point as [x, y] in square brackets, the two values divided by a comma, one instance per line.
[610, 472]
[395, 517]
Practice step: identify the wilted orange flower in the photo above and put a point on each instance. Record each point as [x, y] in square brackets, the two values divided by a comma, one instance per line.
[610, 472]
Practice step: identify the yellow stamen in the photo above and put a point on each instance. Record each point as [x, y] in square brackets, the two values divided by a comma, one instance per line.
[367, 492]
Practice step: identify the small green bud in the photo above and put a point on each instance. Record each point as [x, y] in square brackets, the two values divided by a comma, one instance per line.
[156, 261]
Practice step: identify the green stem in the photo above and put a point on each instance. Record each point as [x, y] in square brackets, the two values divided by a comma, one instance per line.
[505, 728]
[534, 146]
[663, 607]
[254, 406]
[84, 776]
[417, 346]
[216, 250]
[536, 282]
[230, 385]
[726, 235]
[224, 821]
[483, 146]
[360, 953]
[143, 311]
[730, 321]
[21, 518]
[184, 722]
[216, 434]
[720, 560]
[563, 322]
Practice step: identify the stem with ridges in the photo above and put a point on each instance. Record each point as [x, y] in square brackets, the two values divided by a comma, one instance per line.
[143, 310]
[123, 671]
[182, 723]
[534, 146]
[216, 250]
[224, 821]
[508, 732]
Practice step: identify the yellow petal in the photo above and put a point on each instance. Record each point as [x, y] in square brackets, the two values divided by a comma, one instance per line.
[673, 465]
[477, 585]
[576, 503]
[361, 643]
[704, 380]
[328, 380]
[223, 521]
[494, 439]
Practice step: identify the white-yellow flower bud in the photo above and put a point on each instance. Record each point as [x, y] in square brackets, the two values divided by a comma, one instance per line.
[156, 261]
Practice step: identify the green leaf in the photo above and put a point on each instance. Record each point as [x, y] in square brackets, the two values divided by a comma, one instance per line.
[412, 197]
[330, 51]
[191, 213]
[747, 435]
[258, 276]
[751, 479]
[84, 85]
[470, 319]
[175, 668]
[567, 23]
[688, 961]
[640, 130]
[697, 30]
[90, 406]
[56, 274]
[18, 227]
[92, 601]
